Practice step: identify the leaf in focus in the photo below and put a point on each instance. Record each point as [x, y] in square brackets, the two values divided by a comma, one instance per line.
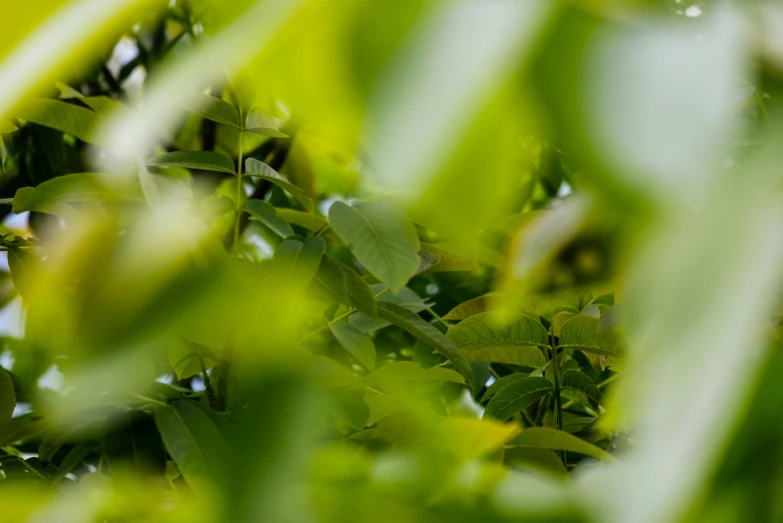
[405, 298]
[577, 380]
[485, 337]
[381, 237]
[500, 383]
[582, 332]
[414, 324]
[257, 169]
[261, 211]
[309, 221]
[355, 342]
[204, 160]
[516, 396]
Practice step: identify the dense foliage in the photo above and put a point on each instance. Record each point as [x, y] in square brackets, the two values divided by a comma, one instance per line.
[302, 261]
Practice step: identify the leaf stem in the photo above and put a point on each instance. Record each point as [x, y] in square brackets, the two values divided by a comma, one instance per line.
[435, 315]
[239, 183]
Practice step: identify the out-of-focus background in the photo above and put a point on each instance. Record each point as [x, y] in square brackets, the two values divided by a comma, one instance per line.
[423, 260]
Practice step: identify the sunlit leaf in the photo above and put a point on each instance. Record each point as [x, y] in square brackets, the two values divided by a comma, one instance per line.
[472, 307]
[259, 121]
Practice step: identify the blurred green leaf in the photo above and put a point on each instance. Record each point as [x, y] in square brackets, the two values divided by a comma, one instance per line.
[204, 160]
[435, 259]
[399, 373]
[381, 237]
[214, 109]
[259, 121]
[53, 195]
[193, 442]
[472, 307]
[546, 438]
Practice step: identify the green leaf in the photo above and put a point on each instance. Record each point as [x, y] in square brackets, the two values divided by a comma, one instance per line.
[187, 357]
[52, 196]
[401, 372]
[582, 332]
[204, 160]
[408, 321]
[405, 298]
[472, 307]
[543, 460]
[257, 169]
[134, 443]
[193, 442]
[484, 337]
[381, 237]
[434, 259]
[576, 380]
[343, 283]
[300, 259]
[20, 263]
[309, 221]
[7, 396]
[214, 109]
[99, 104]
[357, 343]
[516, 396]
[546, 438]
[72, 460]
[65, 117]
[500, 383]
[263, 212]
[261, 122]
[3, 153]
[559, 319]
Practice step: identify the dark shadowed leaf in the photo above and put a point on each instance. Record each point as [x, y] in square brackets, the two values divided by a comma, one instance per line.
[576, 380]
[341, 282]
[193, 442]
[414, 324]
[71, 460]
[516, 396]
[7, 396]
